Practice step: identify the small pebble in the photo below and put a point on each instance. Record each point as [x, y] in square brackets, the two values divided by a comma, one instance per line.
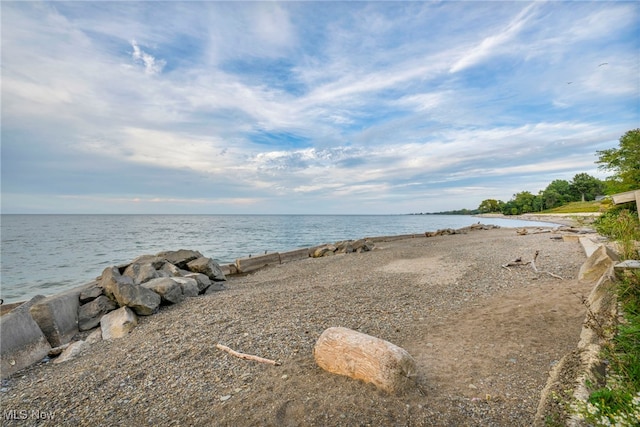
[225, 398]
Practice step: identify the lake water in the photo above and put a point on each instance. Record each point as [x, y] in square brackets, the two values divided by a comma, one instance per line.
[46, 254]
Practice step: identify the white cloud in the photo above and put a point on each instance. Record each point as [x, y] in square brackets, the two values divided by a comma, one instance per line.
[491, 45]
[151, 65]
[362, 100]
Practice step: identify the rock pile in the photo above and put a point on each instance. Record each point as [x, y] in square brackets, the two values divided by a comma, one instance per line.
[463, 230]
[140, 287]
[343, 247]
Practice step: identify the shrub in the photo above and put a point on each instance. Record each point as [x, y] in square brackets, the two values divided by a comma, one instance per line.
[623, 226]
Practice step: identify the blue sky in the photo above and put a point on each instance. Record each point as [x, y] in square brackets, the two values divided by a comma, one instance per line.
[308, 107]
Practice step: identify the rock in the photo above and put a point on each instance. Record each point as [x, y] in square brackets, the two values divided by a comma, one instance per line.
[168, 289]
[91, 293]
[141, 273]
[208, 267]
[94, 336]
[362, 246]
[121, 289]
[202, 280]
[180, 258]
[140, 299]
[111, 279]
[154, 260]
[169, 270]
[189, 286]
[324, 251]
[345, 247]
[215, 287]
[118, 323]
[347, 352]
[90, 313]
[72, 351]
[57, 351]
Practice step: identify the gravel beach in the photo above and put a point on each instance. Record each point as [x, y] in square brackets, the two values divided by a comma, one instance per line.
[484, 339]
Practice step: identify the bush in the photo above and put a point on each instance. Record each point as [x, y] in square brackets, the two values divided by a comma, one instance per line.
[623, 226]
[617, 403]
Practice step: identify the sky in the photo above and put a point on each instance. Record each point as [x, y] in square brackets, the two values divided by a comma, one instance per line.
[307, 107]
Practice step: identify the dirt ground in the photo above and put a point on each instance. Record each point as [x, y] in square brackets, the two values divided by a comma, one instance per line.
[484, 339]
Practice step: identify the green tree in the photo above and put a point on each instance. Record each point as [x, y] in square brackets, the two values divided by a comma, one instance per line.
[557, 193]
[624, 161]
[490, 205]
[586, 187]
[524, 202]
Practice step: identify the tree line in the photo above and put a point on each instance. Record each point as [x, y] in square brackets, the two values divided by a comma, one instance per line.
[624, 161]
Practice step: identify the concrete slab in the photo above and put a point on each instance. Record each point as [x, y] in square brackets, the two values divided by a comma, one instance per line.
[22, 343]
[57, 316]
[294, 255]
[630, 264]
[588, 245]
[246, 265]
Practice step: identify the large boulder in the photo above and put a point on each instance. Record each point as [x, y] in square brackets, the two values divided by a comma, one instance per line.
[208, 267]
[111, 279]
[169, 270]
[189, 286]
[168, 289]
[91, 292]
[347, 352]
[141, 273]
[202, 281]
[90, 313]
[180, 258]
[324, 251]
[118, 323]
[140, 299]
[362, 245]
[154, 260]
[122, 290]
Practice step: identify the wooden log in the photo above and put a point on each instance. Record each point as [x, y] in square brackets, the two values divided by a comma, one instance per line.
[347, 352]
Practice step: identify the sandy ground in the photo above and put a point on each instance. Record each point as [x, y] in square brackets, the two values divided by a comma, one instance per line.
[484, 339]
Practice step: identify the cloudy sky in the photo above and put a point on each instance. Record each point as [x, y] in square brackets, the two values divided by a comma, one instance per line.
[307, 107]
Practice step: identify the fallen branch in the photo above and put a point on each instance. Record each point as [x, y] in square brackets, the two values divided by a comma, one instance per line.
[247, 356]
[554, 275]
[518, 262]
[533, 262]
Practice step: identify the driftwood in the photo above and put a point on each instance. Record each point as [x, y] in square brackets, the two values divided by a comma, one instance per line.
[247, 356]
[518, 262]
[347, 352]
[524, 231]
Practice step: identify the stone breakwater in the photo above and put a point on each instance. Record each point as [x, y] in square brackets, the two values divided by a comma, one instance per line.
[44, 326]
[108, 307]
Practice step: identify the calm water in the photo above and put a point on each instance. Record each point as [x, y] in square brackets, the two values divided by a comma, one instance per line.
[45, 254]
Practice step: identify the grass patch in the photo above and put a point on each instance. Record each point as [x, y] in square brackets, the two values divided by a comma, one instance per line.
[578, 207]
